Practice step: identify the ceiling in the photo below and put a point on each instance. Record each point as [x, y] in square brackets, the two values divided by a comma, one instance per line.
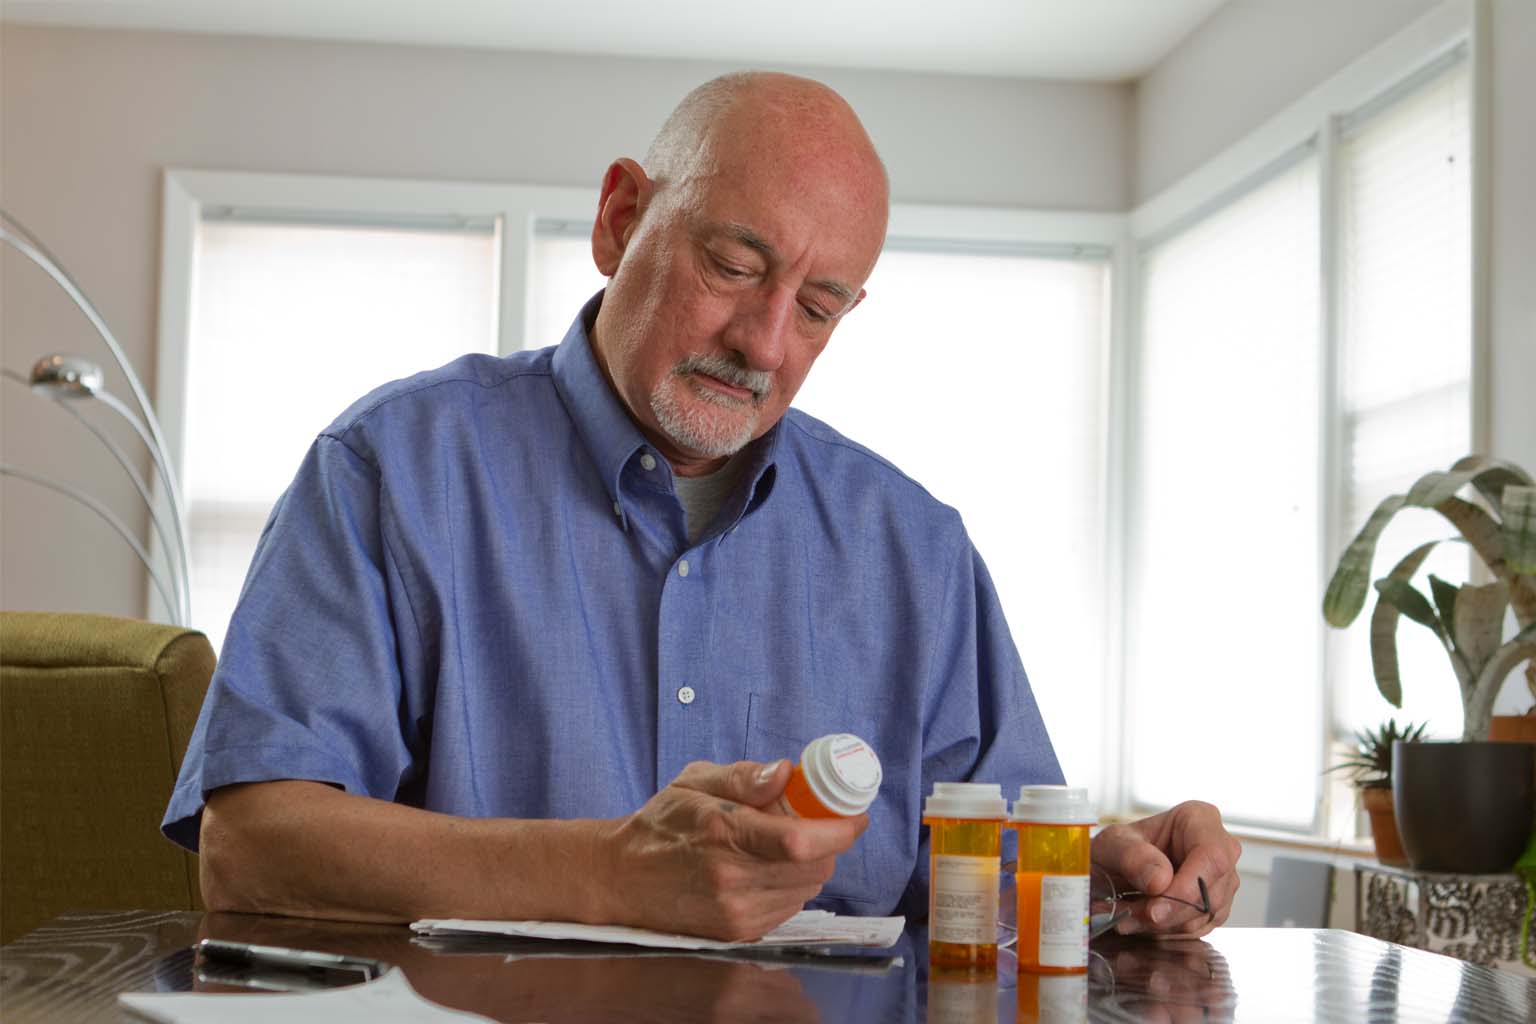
[1085, 40]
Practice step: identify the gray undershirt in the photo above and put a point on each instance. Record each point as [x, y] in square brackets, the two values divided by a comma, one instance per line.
[703, 496]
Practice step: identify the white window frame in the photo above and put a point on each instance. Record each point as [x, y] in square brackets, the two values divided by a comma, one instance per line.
[1313, 121]
[186, 193]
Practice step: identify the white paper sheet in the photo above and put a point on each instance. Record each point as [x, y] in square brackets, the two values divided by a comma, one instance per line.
[386, 1000]
[807, 928]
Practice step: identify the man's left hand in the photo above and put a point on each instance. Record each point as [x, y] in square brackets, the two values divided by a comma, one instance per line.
[1166, 853]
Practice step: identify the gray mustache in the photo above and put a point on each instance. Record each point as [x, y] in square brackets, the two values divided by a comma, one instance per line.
[759, 382]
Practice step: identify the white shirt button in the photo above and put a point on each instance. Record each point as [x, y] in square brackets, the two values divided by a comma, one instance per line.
[648, 461]
[685, 695]
[682, 567]
[617, 510]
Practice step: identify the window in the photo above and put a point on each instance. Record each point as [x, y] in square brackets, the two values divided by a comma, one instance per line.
[562, 278]
[981, 376]
[290, 322]
[1405, 255]
[1221, 639]
[1273, 410]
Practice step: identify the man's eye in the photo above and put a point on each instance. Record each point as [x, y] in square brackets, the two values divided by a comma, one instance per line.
[729, 270]
[816, 314]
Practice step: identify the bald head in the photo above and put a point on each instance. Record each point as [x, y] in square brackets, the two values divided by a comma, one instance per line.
[768, 113]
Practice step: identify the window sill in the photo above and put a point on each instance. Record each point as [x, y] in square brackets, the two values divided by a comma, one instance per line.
[1275, 837]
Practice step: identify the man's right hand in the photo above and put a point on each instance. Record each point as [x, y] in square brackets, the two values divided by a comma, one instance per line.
[701, 857]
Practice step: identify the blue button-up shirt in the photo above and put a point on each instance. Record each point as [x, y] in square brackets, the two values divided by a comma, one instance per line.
[476, 598]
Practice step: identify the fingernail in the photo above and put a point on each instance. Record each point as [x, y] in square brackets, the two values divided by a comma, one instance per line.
[767, 773]
[1144, 880]
[1158, 912]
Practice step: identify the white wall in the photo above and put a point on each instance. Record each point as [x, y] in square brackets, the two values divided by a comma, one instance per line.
[88, 118]
[1250, 59]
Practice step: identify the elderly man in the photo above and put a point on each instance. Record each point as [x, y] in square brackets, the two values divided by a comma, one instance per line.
[532, 637]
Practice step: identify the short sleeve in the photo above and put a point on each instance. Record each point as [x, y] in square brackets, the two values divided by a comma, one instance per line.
[308, 685]
[984, 724]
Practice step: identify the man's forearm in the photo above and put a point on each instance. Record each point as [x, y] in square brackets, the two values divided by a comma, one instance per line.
[306, 849]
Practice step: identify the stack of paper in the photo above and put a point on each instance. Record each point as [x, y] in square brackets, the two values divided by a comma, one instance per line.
[387, 1000]
[807, 928]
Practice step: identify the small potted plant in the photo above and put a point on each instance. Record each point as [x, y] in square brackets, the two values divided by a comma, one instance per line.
[1468, 806]
[1370, 771]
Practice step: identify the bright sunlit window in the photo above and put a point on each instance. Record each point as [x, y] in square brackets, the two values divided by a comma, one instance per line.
[1222, 656]
[1405, 204]
[290, 323]
[1236, 520]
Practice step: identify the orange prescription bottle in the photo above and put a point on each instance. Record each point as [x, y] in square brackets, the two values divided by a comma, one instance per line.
[965, 821]
[837, 776]
[1052, 878]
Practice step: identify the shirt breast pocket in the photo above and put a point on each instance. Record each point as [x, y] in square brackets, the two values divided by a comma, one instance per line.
[778, 728]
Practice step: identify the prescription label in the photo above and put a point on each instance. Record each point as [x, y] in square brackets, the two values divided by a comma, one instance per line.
[1063, 920]
[964, 900]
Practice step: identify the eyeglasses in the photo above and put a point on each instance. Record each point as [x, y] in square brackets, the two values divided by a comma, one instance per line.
[1104, 894]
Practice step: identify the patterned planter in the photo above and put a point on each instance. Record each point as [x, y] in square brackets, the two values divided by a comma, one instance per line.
[1476, 918]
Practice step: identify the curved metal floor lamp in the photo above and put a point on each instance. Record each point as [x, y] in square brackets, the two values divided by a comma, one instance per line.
[65, 379]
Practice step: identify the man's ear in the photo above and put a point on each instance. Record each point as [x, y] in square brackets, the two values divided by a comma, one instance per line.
[626, 193]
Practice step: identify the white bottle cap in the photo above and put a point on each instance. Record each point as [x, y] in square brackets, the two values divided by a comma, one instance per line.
[843, 772]
[966, 800]
[1054, 805]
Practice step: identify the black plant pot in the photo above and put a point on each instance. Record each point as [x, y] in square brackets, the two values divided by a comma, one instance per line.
[1464, 807]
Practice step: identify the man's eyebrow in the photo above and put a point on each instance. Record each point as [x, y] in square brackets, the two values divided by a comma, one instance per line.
[749, 238]
[752, 240]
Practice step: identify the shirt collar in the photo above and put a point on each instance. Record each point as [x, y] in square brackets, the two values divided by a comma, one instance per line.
[610, 435]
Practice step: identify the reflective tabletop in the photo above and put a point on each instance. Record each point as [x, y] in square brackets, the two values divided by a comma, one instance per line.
[73, 968]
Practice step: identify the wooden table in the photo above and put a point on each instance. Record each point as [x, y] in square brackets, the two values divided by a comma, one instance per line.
[73, 968]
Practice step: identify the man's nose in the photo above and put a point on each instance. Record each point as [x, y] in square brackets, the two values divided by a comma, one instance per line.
[760, 326]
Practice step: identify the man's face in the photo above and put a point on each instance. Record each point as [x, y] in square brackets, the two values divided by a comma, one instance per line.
[727, 291]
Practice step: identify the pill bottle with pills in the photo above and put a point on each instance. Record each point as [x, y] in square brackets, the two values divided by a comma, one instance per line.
[1052, 878]
[965, 822]
[837, 776]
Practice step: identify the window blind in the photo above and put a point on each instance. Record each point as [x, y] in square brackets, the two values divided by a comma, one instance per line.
[1221, 652]
[1405, 259]
[292, 321]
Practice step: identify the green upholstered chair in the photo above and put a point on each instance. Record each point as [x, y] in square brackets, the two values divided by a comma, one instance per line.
[95, 716]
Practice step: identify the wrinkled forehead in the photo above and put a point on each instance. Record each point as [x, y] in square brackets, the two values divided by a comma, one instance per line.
[817, 202]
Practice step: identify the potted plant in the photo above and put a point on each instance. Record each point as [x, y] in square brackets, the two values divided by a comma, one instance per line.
[1468, 806]
[1370, 771]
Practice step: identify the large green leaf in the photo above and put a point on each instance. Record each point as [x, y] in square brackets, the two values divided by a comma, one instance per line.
[1495, 477]
[1479, 529]
[1346, 591]
[1519, 531]
[1445, 599]
[1384, 629]
[1411, 603]
[1522, 598]
[1352, 579]
[1478, 628]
